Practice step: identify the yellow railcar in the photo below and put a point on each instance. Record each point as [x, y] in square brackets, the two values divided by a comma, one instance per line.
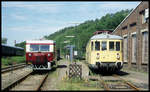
[104, 51]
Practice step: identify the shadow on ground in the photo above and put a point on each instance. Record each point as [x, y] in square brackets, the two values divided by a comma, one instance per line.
[44, 71]
[62, 66]
[109, 73]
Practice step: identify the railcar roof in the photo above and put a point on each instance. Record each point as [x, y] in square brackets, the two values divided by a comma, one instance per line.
[12, 47]
[40, 41]
[106, 36]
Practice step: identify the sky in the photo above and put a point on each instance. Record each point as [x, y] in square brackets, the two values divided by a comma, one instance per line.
[33, 20]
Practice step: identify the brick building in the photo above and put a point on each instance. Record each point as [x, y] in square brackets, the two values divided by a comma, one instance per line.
[135, 32]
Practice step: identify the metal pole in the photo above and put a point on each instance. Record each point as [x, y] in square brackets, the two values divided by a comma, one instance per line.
[71, 53]
[15, 43]
[76, 38]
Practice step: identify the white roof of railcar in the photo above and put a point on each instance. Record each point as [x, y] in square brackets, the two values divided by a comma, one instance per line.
[105, 36]
[40, 41]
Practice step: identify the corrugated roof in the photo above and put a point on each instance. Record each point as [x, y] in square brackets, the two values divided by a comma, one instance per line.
[105, 36]
[12, 46]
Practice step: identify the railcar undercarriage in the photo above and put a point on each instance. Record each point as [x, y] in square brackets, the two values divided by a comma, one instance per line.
[48, 66]
[106, 67]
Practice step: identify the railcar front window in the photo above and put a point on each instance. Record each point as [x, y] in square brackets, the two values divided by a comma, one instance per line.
[34, 47]
[104, 46]
[44, 48]
[97, 45]
[117, 46]
[91, 45]
[111, 46]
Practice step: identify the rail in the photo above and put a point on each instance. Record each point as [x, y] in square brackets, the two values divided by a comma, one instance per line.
[108, 88]
[36, 85]
[42, 82]
[12, 67]
[16, 82]
[104, 83]
[117, 83]
[128, 83]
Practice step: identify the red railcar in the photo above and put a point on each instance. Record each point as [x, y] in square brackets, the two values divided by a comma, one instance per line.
[40, 54]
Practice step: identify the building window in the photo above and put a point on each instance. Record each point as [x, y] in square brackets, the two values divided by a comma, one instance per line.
[133, 24]
[97, 45]
[145, 15]
[143, 18]
[125, 27]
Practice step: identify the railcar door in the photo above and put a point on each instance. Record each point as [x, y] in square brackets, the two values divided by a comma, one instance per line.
[104, 51]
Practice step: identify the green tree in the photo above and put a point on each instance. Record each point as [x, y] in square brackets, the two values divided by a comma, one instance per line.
[4, 40]
[84, 31]
[22, 44]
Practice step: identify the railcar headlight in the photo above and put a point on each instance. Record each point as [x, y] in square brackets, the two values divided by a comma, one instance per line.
[98, 56]
[49, 55]
[30, 54]
[118, 56]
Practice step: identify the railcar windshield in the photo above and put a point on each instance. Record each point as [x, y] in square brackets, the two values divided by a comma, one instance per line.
[104, 45]
[44, 47]
[97, 45]
[111, 46]
[117, 46]
[39, 47]
[34, 47]
[91, 45]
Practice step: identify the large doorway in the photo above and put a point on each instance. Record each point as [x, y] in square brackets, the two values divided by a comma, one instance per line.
[125, 49]
[145, 47]
[134, 47]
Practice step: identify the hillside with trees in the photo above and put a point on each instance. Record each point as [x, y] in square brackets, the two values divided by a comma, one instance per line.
[4, 40]
[84, 31]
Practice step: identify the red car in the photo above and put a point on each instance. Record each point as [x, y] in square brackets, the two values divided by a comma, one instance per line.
[40, 54]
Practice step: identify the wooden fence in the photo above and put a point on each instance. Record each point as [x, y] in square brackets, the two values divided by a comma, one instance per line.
[75, 70]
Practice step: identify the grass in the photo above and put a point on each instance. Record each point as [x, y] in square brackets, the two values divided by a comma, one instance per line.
[77, 84]
[135, 70]
[5, 61]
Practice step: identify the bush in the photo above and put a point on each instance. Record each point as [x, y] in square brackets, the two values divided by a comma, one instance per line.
[14, 59]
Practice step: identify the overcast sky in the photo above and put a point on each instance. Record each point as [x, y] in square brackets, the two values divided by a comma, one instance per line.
[33, 20]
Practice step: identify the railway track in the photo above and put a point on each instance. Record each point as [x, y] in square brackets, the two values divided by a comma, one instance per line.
[31, 82]
[13, 67]
[117, 84]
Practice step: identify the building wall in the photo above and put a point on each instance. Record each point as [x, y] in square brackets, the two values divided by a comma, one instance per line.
[134, 29]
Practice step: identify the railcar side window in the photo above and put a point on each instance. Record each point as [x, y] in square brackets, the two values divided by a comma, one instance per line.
[91, 45]
[111, 46]
[44, 48]
[97, 45]
[117, 46]
[34, 47]
[104, 45]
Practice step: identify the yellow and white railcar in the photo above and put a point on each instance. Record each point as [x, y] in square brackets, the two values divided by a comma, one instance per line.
[104, 51]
